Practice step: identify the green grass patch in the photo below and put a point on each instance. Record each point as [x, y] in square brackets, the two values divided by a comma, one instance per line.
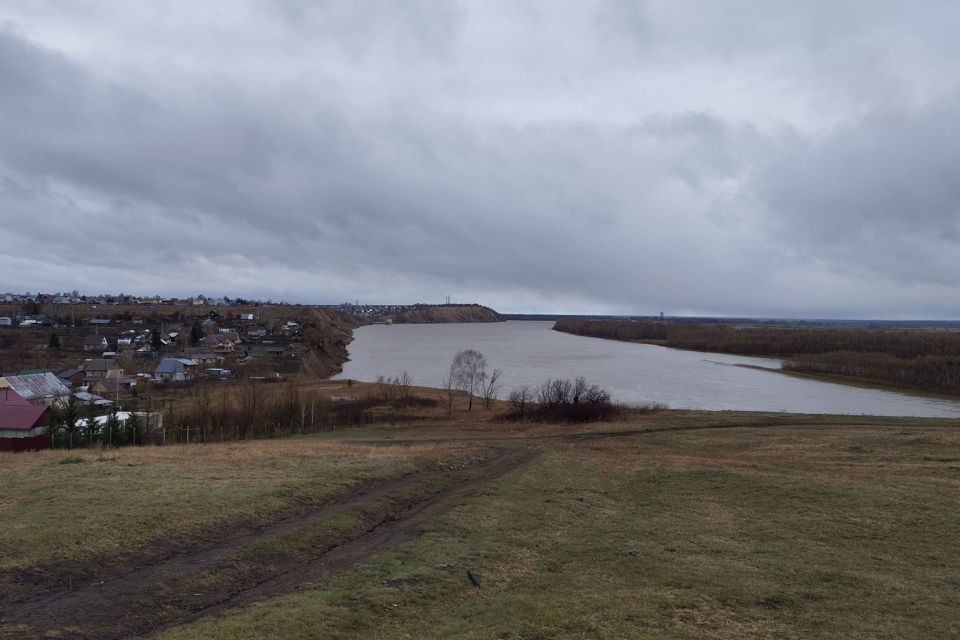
[610, 544]
[60, 514]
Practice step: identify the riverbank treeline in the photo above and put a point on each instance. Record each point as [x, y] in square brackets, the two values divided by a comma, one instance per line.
[921, 360]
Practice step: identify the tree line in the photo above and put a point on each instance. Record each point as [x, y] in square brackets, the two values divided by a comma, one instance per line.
[769, 341]
[935, 374]
[926, 360]
[253, 409]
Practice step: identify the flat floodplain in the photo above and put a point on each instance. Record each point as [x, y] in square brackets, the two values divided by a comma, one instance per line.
[667, 525]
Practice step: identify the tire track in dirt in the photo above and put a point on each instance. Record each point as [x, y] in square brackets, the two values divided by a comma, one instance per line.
[126, 605]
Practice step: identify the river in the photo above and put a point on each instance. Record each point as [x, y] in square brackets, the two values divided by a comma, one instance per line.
[530, 352]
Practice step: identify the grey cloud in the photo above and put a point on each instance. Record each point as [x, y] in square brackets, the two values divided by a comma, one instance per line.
[882, 194]
[596, 157]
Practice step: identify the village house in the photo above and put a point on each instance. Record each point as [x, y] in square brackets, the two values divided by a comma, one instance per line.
[175, 370]
[86, 398]
[38, 388]
[264, 349]
[71, 377]
[103, 368]
[224, 346]
[21, 422]
[95, 343]
[221, 343]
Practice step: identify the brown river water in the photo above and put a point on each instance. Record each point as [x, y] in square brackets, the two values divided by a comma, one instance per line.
[530, 352]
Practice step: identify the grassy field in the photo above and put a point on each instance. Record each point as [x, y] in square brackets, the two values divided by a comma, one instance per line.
[77, 511]
[669, 525]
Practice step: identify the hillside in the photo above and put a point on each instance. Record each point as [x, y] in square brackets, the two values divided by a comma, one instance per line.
[425, 314]
[328, 339]
[437, 524]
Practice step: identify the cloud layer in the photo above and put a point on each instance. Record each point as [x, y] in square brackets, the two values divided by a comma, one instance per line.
[775, 159]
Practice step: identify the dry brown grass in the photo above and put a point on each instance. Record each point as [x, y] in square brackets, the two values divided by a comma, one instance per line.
[121, 500]
[919, 454]
[225, 454]
[679, 525]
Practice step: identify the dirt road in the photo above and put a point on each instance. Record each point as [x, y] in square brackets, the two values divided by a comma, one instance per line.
[242, 569]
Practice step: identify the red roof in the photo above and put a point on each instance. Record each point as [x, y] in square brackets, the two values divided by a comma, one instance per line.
[17, 413]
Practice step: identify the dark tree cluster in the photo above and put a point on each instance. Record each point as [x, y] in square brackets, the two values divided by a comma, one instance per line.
[935, 374]
[769, 341]
[926, 360]
[562, 400]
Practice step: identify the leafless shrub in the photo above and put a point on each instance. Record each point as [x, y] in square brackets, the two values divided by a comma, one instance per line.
[404, 385]
[561, 400]
[386, 388]
[449, 391]
[520, 398]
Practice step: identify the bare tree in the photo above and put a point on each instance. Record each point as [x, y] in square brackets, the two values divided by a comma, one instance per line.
[386, 387]
[468, 372]
[520, 398]
[404, 385]
[395, 388]
[579, 390]
[555, 393]
[450, 390]
[491, 388]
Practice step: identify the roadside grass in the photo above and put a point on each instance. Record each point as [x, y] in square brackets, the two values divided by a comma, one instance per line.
[84, 509]
[791, 530]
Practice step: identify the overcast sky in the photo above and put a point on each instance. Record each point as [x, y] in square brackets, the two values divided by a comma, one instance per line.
[724, 158]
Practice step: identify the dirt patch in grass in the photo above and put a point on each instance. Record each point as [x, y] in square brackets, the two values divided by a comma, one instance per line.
[736, 531]
[253, 564]
[66, 525]
[674, 525]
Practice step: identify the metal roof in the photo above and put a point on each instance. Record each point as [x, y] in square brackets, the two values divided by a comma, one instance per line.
[174, 365]
[90, 398]
[38, 385]
[18, 414]
[102, 364]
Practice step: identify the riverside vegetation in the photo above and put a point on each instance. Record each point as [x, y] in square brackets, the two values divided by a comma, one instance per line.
[921, 360]
[656, 524]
